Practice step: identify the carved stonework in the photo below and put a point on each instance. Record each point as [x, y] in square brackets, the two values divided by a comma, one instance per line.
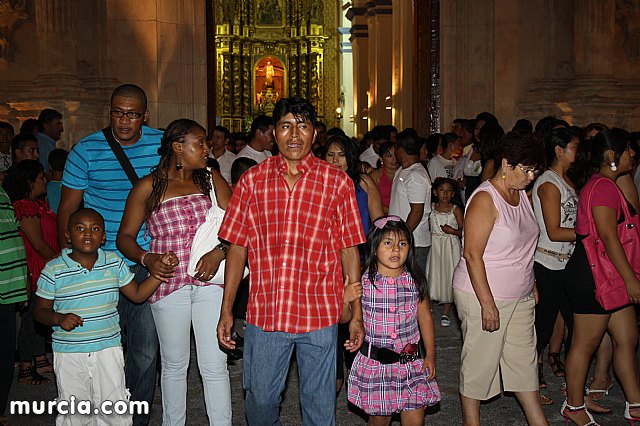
[628, 19]
[269, 49]
[12, 13]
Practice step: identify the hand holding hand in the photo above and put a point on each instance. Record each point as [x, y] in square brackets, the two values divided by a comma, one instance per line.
[169, 258]
[69, 321]
[157, 268]
[352, 291]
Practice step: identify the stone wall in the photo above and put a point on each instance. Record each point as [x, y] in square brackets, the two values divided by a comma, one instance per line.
[70, 54]
[579, 60]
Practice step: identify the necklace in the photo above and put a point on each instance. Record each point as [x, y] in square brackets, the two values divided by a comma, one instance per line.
[121, 143]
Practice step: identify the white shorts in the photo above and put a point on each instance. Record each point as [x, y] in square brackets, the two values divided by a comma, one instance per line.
[91, 376]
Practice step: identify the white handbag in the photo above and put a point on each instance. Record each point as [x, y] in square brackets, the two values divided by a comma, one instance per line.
[206, 239]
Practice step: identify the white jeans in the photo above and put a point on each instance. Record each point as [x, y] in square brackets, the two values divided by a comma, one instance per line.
[94, 376]
[174, 315]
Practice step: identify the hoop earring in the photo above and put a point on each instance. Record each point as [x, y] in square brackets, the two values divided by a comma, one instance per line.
[179, 163]
[613, 167]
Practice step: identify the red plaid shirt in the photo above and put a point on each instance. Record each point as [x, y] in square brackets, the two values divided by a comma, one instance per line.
[294, 239]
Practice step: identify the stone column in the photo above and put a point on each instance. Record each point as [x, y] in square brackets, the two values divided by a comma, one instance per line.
[402, 86]
[380, 28]
[56, 24]
[594, 29]
[360, 45]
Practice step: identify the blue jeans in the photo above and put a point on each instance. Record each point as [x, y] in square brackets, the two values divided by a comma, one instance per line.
[266, 363]
[174, 314]
[140, 339]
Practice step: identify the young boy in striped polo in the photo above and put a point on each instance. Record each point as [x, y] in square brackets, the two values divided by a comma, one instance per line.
[78, 295]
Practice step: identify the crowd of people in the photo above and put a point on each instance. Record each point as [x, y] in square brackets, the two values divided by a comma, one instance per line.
[348, 243]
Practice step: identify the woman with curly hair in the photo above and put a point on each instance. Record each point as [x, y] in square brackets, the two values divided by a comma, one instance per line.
[174, 200]
[25, 184]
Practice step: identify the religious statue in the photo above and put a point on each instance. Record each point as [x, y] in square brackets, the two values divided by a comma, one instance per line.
[11, 13]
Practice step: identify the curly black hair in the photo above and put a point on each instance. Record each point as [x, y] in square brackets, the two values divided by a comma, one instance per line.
[176, 131]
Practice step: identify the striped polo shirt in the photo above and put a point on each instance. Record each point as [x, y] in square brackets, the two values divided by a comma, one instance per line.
[13, 260]
[92, 167]
[91, 294]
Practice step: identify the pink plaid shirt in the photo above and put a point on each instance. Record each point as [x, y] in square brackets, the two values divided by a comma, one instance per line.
[172, 227]
[294, 239]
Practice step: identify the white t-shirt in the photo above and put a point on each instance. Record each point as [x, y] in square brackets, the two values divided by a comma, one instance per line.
[225, 161]
[412, 186]
[440, 167]
[370, 156]
[249, 152]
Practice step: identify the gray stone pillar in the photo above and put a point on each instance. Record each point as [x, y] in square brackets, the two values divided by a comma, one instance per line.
[594, 29]
[56, 24]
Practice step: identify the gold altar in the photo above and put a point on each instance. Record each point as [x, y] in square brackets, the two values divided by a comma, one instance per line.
[270, 49]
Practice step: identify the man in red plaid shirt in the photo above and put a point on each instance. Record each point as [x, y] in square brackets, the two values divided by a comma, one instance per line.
[295, 218]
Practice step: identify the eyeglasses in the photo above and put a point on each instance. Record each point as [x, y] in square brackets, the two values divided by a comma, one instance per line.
[131, 115]
[529, 169]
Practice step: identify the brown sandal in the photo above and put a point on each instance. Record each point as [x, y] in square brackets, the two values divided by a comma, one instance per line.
[29, 376]
[545, 400]
[556, 364]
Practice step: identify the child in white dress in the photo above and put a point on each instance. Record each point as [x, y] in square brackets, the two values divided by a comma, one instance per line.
[446, 221]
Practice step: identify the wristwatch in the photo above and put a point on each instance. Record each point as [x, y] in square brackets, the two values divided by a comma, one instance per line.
[223, 247]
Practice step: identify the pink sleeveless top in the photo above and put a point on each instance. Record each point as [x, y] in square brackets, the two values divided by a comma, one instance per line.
[384, 186]
[508, 257]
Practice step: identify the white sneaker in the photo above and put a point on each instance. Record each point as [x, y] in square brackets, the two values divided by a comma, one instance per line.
[445, 321]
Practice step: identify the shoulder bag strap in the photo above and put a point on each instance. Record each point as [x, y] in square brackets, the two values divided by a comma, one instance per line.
[120, 155]
[624, 208]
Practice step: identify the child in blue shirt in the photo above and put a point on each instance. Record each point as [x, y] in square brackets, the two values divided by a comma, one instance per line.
[78, 295]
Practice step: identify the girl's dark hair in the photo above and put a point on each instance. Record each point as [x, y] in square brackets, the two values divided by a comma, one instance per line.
[371, 260]
[438, 182]
[351, 154]
[590, 156]
[432, 142]
[593, 126]
[561, 137]
[489, 136]
[17, 182]
[176, 132]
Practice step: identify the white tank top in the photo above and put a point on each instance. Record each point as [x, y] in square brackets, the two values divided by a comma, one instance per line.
[554, 254]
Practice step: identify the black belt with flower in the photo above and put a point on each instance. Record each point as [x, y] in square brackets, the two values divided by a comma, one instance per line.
[387, 356]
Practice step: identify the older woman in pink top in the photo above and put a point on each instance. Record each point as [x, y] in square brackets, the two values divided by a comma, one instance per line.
[494, 285]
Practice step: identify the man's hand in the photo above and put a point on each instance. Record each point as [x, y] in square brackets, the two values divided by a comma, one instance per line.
[356, 335]
[69, 321]
[225, 330]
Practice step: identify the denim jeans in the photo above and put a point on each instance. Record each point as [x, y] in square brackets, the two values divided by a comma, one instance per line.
[174, 314]
[266, 362]
[141, 342]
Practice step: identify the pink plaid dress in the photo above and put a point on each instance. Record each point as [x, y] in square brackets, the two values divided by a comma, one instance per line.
[172, 227]
[390, 314]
